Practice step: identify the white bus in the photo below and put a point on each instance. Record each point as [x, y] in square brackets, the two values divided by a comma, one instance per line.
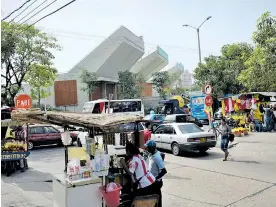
[125, 106]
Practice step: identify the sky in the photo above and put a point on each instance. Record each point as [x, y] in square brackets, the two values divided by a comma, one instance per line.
[84, 24]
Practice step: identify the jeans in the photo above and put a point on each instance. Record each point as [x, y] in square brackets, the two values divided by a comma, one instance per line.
[159, 185]
[224, 143]
[268, 124]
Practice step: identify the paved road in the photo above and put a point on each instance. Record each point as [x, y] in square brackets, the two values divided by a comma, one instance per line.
[247, 179]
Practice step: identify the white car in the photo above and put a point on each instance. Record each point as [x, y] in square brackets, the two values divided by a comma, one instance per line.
[179, 137]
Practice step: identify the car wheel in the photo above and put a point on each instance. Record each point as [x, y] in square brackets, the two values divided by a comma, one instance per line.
[79, 143]
[203, 150]
[175, 149]
[30, 145]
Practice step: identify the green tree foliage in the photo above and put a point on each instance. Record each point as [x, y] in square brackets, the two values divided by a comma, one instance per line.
[222, 71]
[90, 80]
[129, 85]
[21, 47]
[260, 74]
[243, 67]
[175, 79]
[160, 81]
[40, 77]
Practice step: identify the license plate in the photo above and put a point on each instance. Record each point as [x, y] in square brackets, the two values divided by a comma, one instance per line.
[202, 139]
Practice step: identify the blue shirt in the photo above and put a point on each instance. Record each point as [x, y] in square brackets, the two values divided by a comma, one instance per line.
[156, 164]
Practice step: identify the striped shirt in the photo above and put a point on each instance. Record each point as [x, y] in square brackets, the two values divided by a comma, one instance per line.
[138, 167]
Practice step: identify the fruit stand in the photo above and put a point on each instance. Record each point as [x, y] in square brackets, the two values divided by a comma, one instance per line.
[13, 150]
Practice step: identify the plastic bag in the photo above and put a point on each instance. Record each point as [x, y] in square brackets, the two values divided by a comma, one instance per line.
[73, 169]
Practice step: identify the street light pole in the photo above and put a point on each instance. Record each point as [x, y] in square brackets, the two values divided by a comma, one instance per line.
[198, 41]
[198, 38]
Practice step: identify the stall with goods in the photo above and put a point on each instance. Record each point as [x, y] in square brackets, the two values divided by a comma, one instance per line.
[14, 149]
[93, 174]
[246, 109]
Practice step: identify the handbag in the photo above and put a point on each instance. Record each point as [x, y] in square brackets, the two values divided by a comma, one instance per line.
[231, 137]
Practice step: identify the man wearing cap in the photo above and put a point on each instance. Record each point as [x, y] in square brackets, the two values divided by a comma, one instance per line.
[156, 167]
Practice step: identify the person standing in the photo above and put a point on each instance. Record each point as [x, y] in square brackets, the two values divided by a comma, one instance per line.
[225, 131]
[143, 180]
[268, 118]
[156, 167]
[147, 132]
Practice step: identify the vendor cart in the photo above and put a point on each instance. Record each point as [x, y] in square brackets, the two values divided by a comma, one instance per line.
[103, 131]
[14, 151]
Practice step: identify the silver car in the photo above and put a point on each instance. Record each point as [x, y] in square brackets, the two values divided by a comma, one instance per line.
[179, 137]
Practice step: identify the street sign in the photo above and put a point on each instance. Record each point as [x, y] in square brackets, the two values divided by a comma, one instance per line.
[208, 89]
[208, 101]
[23, 101]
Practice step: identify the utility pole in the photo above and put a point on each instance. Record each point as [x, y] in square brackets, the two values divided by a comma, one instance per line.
[198, 38]
[109, 99]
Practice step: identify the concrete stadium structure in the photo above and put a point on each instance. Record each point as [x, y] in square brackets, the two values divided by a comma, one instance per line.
[151, 64]
[119, 52]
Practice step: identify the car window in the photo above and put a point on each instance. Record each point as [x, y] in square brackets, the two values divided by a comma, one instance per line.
[160, 130]
[130, 127]
[51, 130]
[181, 118]
[189, 128]
[169, 130]
[36, 130]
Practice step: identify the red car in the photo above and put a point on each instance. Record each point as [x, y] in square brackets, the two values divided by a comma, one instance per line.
[43, 135]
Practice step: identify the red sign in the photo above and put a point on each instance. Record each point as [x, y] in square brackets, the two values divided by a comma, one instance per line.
[23, 101]
[208, 101]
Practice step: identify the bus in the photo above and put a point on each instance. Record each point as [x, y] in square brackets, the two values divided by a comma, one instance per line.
[125, 106]
[197, 104]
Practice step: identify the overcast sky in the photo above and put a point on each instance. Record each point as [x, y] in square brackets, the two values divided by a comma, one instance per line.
[84, 24]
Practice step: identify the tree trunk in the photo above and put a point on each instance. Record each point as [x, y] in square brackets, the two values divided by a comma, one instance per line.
[39, 97]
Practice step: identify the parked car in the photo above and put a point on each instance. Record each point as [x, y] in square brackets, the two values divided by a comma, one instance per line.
[182, 118]
[179, 137]
[43, 135]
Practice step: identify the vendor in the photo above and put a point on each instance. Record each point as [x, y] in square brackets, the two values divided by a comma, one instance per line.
[249, 122]
[143, 180]
[156, 167]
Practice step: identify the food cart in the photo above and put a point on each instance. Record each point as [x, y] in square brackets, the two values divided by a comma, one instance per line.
[13, 149]
[101, 165]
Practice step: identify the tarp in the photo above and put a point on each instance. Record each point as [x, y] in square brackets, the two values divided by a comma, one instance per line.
[102, 121]
[268, 94]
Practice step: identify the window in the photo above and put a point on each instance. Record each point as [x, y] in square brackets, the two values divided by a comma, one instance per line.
[96, 109]
[160, 130]
[51, 130]
[169, 130]
[189, 128]
[181, 119]
[36, 130]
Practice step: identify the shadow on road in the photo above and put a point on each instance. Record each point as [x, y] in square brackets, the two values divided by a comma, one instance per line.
[31, 180]
[245, 161]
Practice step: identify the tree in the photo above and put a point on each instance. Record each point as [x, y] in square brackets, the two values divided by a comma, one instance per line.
[90, 79]
[40, 77]
[139, 79]
[160, 81]
[21, 47]
[127, 85]
[222, 71]
[175, 79]
[260, 74]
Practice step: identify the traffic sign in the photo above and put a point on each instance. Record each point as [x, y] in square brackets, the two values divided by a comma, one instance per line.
[208, 89]
[23, 101]
[208, 100]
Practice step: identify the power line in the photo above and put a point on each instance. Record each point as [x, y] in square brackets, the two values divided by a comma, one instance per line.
[36, 12]
[16, 10]
[23, 11]
[74, 35]
[65, 5]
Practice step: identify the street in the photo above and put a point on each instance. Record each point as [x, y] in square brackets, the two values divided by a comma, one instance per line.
[247, 179]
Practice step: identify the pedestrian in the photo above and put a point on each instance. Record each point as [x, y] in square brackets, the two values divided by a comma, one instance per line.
[156, 167]
[225, 131]
[147, 132]
[142, 179]
[268, 118]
